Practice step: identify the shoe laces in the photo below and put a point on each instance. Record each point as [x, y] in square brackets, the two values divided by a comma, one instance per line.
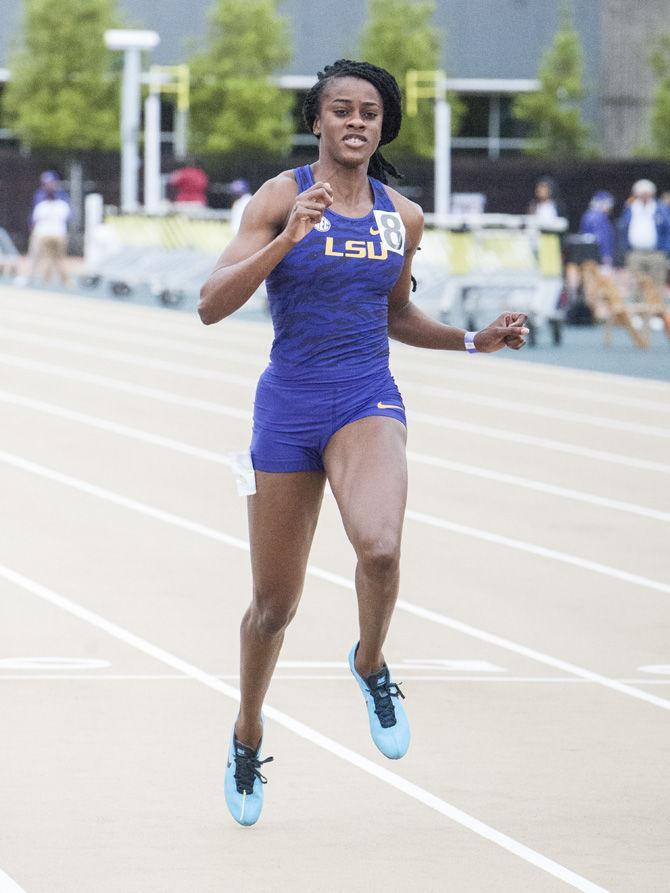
[247, 768]
[383, 695]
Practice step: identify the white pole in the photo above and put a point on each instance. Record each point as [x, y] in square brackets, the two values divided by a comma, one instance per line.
[152, 153]
[130, 124]
[131, 42]
[76, 195]
[442, 152]
[93, 217]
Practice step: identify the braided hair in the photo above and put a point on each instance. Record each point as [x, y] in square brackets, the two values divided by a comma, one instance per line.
[388, 89]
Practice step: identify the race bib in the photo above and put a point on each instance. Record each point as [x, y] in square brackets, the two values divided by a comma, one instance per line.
[391, 230]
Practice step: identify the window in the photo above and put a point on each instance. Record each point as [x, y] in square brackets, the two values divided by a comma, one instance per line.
[475, 120]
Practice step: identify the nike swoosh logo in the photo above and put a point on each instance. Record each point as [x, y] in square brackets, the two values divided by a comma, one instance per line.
[388, 406]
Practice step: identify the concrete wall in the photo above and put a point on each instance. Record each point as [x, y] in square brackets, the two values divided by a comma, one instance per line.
[10, 22]
[629, 29]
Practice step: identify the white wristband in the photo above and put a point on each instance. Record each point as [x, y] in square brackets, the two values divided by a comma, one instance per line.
[469, 341]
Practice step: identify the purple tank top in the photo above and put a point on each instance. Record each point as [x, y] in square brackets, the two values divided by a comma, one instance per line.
[329, 295]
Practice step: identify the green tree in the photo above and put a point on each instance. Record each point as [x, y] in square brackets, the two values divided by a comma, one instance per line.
[63, 93]
[400, 35]
[234, 105]
[553, 113]
[660, 112]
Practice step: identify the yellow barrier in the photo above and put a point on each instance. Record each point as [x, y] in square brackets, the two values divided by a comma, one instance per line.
[498, 251]
[172, 231]
[549, 255]
[488, 250]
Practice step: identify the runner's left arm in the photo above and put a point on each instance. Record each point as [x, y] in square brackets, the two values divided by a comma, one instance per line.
[409, 324]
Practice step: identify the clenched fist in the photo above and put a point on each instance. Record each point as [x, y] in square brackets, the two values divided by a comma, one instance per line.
[507, 330]
[308, 210]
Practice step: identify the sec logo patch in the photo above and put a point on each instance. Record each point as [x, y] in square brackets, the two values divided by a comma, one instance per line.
[323, 225]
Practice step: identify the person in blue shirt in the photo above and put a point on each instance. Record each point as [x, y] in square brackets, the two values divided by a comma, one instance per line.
[335, 244]
[50, 185]
[596, 222]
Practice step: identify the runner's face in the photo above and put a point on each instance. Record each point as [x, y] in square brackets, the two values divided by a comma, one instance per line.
[350, 120]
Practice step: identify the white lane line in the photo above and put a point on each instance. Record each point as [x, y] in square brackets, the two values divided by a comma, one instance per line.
[53, 663]
[518, 406]
[309, 734]
[222, 409]
[558, 446]
[257, 362]
[301, 677]
[220, 353]
[527, 369]
[532, 654]
[260, 341]
[420, 458]
[543, 552]
[399, 666]
[420, 517]
[128, 387]
[253, 333]
[78, 677]
[133, 359]
[539, 486]
[7, 885]
[259, 336]
[336, 579]
[521, 371]
[149, 319]
[527, 386]
[655, 668]
[71, 415]
[508, 644]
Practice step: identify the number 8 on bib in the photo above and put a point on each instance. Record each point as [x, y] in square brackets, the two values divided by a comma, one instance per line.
[391, 230]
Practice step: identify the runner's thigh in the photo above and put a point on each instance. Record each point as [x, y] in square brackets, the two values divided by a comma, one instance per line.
[282, 519]
[367, 469]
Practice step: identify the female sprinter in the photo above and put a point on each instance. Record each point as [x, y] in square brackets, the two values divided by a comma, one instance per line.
[335, 245]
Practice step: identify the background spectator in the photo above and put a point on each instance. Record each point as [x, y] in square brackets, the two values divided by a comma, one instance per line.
[49, 237]
[645, 233]
[50, 184]
[546, 205]
[189, 185]
[596, 222]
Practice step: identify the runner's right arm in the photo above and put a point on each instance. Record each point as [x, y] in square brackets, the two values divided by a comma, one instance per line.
[273, 222]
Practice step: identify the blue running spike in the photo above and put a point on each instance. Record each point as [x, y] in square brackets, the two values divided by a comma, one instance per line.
[243, 782]
[389, 725]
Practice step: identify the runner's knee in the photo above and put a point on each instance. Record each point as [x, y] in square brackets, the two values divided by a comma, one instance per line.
[379, 554]
[273, 611]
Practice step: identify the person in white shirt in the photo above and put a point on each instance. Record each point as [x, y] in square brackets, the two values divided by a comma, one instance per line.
[645, 226]
[546, 205]
[49, 237]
